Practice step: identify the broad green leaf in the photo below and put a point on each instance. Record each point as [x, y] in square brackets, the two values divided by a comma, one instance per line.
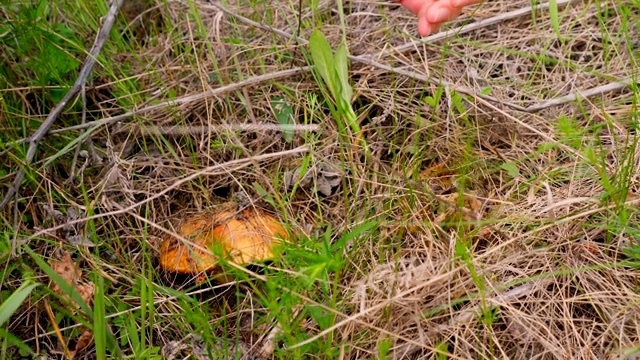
[434, 100]
[11, 340]
[511, 168]
[16, 299]
[341, 61]
[348, 114]
[313, 272]
[322, 317]
[264, 194]
[546, 146]
[486, 90]
[384, 346]
[553, 13]
[284, 114]
[322, 57]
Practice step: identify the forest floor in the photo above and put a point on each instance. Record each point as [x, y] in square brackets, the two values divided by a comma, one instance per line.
[469, 195]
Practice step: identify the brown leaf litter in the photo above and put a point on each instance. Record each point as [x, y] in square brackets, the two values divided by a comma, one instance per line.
[193, 346]
[70, 272]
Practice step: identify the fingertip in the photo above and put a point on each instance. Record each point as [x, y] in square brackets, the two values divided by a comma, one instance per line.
[461, 3]
[424, 27]
[416, 6]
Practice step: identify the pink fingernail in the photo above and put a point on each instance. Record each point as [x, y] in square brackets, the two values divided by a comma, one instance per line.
[441, 15]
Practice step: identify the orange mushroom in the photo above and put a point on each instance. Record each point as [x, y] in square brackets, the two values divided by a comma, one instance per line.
[243, 238]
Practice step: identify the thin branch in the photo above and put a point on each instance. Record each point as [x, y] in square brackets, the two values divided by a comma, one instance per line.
[467, 28]
[204, 129]
[94, 125]
[102, 37]
[368, 61]
[580, 95]
[421, 77]
[74, 162]
[239, 164]
[192, 98]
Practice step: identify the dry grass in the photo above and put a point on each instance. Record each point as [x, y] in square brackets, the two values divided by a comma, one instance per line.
[526, 266]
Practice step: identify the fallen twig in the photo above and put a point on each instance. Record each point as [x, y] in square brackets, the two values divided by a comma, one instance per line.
[103, 34]
[467, 28]
[74, 162]
[599, 90]
[94, 125]
[91, 155]
[204, 129]
[239, 163]
[368, 61]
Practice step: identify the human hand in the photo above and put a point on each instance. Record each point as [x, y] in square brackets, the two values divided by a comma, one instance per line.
[433, 13]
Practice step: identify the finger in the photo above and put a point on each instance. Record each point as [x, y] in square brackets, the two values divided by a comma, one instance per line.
[461, 3]
[435, 27]
[454, 14]
[438, 12]
[441, 12]
[430, 29]
[425, 28]
[415, 6]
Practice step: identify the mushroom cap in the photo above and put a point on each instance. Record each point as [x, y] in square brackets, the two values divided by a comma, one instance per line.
[242, 238]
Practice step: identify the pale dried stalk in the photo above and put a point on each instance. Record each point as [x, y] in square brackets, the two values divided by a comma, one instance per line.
[204, 129]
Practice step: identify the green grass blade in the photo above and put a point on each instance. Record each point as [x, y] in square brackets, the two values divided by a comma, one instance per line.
[16, 299]
[71, 145]
[553, 14]
[99, 314]
[8, 340]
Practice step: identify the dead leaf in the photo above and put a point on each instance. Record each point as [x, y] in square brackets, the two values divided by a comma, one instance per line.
[322, 177]
[70, 231]
[79, 240]
[470, 208]
[84, 340]
[70, 272]
[194, 346]
[439, 178]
